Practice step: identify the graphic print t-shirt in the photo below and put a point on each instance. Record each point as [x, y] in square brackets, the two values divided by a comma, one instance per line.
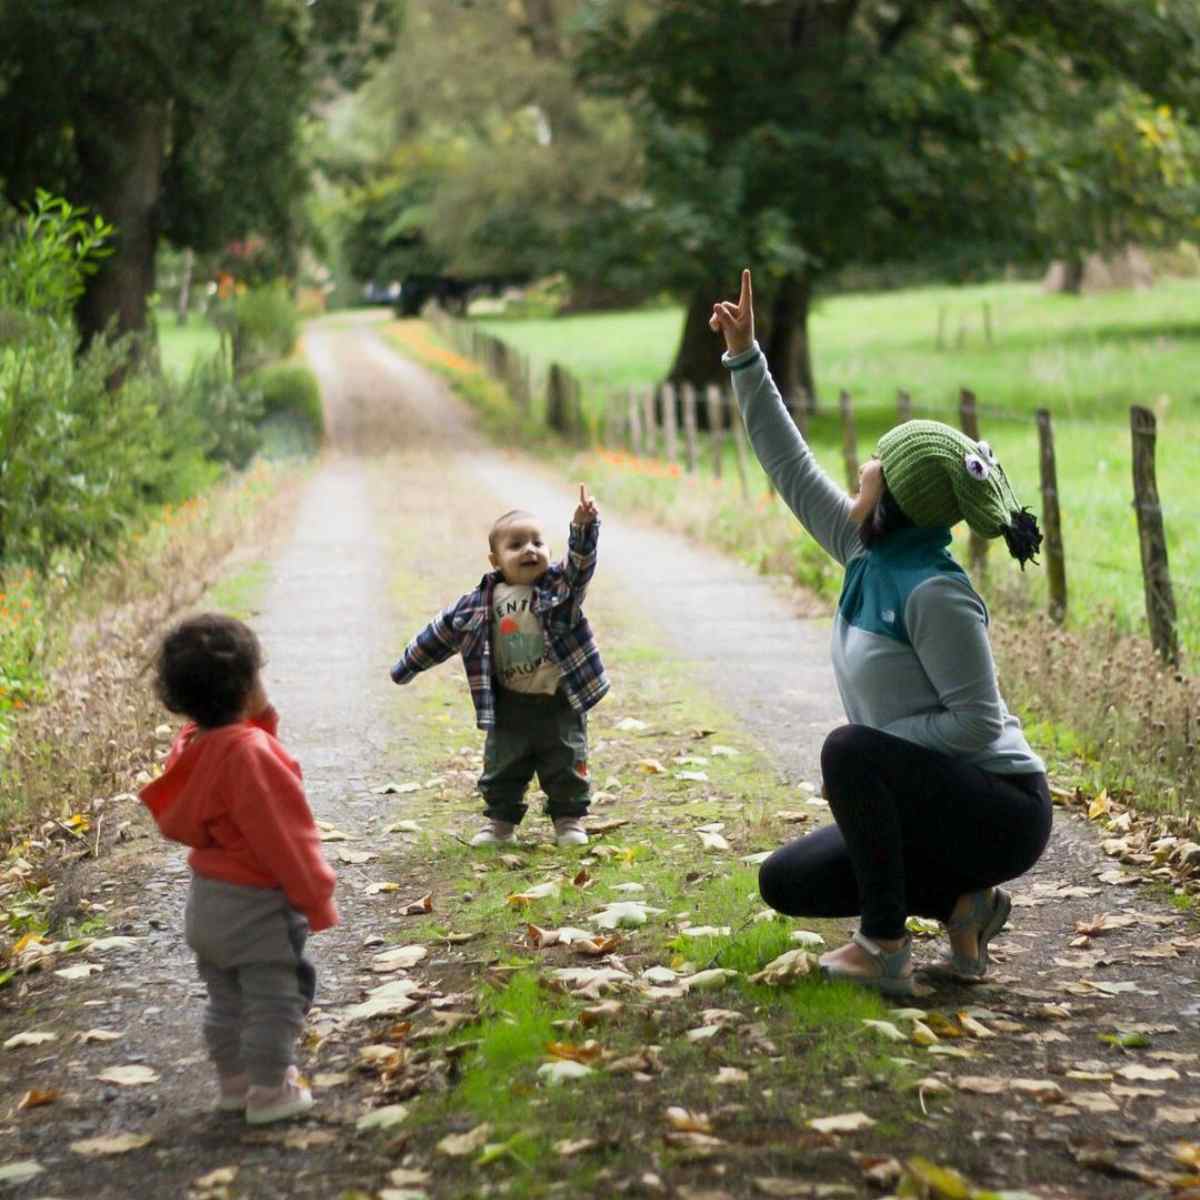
[518, 643]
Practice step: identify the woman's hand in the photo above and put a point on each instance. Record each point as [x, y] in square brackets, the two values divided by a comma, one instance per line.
[735, 321]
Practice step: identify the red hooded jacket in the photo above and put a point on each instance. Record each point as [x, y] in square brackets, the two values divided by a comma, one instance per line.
[234, 795]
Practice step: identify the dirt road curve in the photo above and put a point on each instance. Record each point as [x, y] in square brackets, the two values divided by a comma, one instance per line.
[407, 474]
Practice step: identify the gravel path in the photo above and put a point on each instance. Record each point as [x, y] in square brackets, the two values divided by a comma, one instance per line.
[398, 441]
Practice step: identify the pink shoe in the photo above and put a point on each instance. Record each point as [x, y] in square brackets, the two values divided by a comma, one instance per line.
[267, 1104]
[233, 1092]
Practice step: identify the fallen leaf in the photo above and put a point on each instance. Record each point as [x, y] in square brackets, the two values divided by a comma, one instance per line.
[36, 1099]
[459, 1145]
[630, 725]
[382, 888]
[403, 827]
[731, 1075]
[32, 1038]
[354, 858]
[603, 1011]
[330, 1079]
[550, 888]
[561, 1070]
[651, 766]
[842, 1123]
[414, 907]
[408, 1177]
[1094, 1102]
[79, 971]
[981, 1085]
[131, 1076]
[221, 1177]
[21, 1171]
[604, 826]
[625, 914]
[707, 981]
[698, 931]
[117, 1143]
[790, 965]
[1136, 1071]
[100, 1035]
[382, 1118]
[399, 959]
[586, 1053]
[712, 841]
[569, 1147]
[696, 777]
[885, 1029]
[687, 1121]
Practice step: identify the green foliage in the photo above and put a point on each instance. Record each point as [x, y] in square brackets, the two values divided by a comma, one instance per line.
[47, 256]
[262, 324]
[77, 457]
[293, 419]
[217, 413]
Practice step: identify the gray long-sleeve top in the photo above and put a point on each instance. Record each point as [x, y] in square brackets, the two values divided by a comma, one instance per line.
[911, 654]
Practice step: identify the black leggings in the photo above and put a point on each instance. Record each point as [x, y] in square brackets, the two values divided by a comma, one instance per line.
[915, 830]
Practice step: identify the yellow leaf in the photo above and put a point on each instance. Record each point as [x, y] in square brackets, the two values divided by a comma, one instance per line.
[1100, 805]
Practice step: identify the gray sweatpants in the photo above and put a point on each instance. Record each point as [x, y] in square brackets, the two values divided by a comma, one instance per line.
[249, 945]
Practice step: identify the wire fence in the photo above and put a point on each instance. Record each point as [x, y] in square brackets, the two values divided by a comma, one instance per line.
[684, 426]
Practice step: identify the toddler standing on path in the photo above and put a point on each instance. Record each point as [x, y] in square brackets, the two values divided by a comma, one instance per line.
[260, 883]
[533, 669]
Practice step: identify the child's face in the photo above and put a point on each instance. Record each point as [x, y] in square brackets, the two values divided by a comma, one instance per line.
[521, 554]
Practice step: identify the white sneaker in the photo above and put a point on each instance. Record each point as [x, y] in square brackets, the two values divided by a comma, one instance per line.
[494, 833]
[290, 1099]
[569, 831]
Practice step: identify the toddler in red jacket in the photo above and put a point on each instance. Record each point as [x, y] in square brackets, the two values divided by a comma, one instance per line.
[260, 883]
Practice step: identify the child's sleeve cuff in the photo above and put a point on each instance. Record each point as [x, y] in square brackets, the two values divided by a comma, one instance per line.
[739, 362]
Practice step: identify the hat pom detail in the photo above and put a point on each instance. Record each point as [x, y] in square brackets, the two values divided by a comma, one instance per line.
[1023, 537]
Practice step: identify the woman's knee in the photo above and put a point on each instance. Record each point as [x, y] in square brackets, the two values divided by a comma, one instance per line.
[774, 883]
[843, 745]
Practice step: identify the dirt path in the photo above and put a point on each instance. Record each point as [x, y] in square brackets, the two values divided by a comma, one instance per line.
[406, 475]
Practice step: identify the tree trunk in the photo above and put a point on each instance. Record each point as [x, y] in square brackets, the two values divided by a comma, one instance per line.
[1072, 280]
[698, 359]
[122, 157]
[185, 288]
[786, 342]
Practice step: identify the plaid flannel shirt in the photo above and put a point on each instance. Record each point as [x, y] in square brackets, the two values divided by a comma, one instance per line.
[465, 626]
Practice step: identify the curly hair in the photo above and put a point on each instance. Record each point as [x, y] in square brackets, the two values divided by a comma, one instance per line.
[886, 517]
[205, 668]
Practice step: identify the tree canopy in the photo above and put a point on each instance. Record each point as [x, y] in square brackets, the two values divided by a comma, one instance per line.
[180, 119]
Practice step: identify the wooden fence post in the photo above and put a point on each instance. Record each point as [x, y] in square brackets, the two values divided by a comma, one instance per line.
[634, 419]
[800, 409]
[1160, 599]
[968, 420]
[687, 394]
[715, 411]
[649, 423]
[903, 407]
[739, 445]
[558, 399]
[1056, 568]
[849, 440]
[669, 422]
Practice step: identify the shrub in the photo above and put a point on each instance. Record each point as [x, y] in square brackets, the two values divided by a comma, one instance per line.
[263, 324]
[291, 391]
[223, 412]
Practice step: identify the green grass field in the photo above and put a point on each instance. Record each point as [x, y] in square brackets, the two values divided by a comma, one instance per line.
[182, 346]
[1086, 359]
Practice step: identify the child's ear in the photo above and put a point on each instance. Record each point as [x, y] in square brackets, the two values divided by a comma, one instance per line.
[494, 560]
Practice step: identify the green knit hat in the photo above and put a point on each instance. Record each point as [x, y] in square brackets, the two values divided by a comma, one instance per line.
[939, 476]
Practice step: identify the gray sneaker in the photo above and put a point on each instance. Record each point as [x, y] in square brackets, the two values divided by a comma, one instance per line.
[494, 833]
[569, 831]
